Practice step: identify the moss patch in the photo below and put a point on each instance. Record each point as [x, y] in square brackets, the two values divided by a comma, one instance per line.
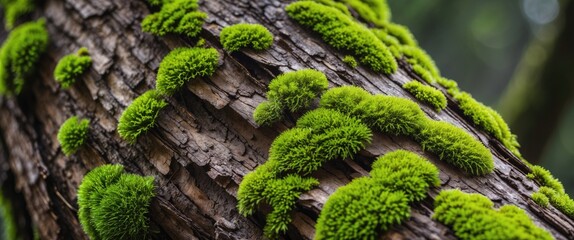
[184, 64]
[140, 115]
[9, 224]
[426, 94]
[293, 91]
[369, 205]
[342, 32]
[71, 67]
[177, 16]
[14, 9]
[19, 55]
[114, 204]
[73, 134]
[552, 189]
[246, 35]
[472, 216]
[350, 60]
[399, 116]
[320, 135]
[373, 11]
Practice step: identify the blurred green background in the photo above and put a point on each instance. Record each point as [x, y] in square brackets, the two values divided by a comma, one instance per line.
[515, 56]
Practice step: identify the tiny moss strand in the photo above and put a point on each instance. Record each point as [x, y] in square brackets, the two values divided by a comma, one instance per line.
[472, 216]
[427, 94]
[244, 35]
[341, 32]
[73, 134]
[140, 115]
[71, 67]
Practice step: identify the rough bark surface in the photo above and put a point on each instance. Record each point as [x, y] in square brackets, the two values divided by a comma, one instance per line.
[206, 140]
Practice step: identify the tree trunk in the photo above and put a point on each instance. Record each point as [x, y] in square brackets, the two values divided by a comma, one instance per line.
[206, 140]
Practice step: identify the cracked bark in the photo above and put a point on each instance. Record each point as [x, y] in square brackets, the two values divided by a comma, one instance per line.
[206, 140]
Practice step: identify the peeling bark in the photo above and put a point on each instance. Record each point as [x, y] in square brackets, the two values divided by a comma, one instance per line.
[206, 140]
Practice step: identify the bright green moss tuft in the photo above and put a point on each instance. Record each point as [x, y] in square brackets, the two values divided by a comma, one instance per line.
[374, 11]
[369, 205]
[293, 91]
[427, 94]
[421, 63]
[552, 189]
[450, 85]
[19, 55]
[343, 33]
[350, 60]
[7, 220]
[13, 9]
[545, 178]
[320, 135]
[73, 134]
[559, 200]
[177, 16]
[246, 35]
[184, 64]
[472, 216]
[540, 199]
[399, 116]
[71, 67]
[114, 204]
[140, 116]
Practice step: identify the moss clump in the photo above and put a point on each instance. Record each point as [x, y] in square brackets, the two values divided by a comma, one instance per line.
[545, 178]
[374, 11]
[559, 200]
[489, 120]
[140, 116]
[245, 35]
[73, 134]
[7, 220]
[422, 63]
[177, 16]
[552, 189]
[399, 116]
[472, 216]
[293, 91]
[342, 32]
[13, 9]
[320, 135]
[426, 94]
[71, 67]
[350, 60]
[540, 199]
[184, 64]
[114, 204]
[369, 205]
[19, 55]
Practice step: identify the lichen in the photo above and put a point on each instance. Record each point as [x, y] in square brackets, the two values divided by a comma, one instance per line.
[114, 204]
[342, 32]
[320, 135]
[245, 35]
[73, 134]
[71, 67]
[293, 91]
[177, 16]
[14, 9]
[19, 55]
[140, 115]
[399, 116]
[182, 65]
[369, 205]
[426, 94]
[472, 216]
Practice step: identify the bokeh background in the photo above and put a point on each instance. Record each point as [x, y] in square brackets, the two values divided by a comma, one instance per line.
[516, 56]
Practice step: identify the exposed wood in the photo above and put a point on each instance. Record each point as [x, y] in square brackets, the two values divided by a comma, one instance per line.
[206, 140]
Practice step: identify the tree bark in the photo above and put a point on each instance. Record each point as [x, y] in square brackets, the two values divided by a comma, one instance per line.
[206, 140]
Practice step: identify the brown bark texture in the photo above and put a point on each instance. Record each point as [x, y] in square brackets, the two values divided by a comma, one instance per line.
[206, 140]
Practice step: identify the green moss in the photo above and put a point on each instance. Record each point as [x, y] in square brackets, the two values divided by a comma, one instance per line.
[8, 222]
[114, 204]
[294, 91]
[450, 85]
[553, 189]
[19, 55]
[320, 135]
[373, 11]
[426, 94]
[472, 216]
[559, 200]
[184, 64]
[343, 33]
[401, 33]
[338, 5]
[488, 119]
[245, 35]
[540, 199]
[73, 134]
[399, 116]
[418, 57]
[14, 9]
[350, 60]
[177, 16]
[369, 205]
[140, 116]
[71, 67]
[545, 178]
